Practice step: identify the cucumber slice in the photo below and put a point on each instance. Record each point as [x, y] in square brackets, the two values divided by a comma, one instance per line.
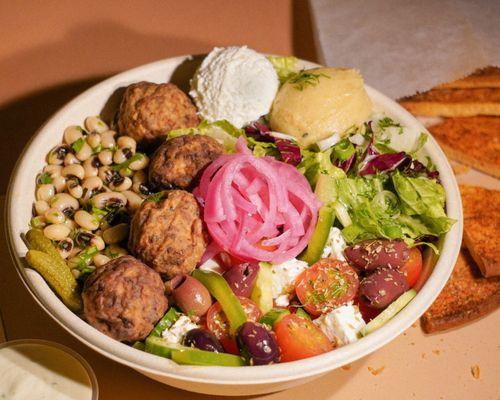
[273, 316]
[262, 292]
[386, 315]
[160, 347]
[190, 356]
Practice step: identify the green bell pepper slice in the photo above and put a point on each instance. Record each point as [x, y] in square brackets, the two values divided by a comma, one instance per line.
[218, 287]
[317, 243]
[165, 322]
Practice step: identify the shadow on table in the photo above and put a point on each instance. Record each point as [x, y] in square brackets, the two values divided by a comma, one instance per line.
[302, 35]
[21, 118]
[104, 42]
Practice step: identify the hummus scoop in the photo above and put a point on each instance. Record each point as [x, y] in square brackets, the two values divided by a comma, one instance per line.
[318, 103]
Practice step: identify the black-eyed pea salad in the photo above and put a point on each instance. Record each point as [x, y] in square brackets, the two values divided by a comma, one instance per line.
[85, 195]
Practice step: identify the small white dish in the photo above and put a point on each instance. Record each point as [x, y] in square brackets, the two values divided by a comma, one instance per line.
[211, 380]
[33, 368]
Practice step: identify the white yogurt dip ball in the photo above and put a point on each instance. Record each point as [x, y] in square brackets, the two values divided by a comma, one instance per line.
[234, 83]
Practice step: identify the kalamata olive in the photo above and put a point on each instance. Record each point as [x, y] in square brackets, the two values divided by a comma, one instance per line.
[190, 295]
[203, 340]
[257, 345]
[371, 254]
[383, 286]
[241, 278]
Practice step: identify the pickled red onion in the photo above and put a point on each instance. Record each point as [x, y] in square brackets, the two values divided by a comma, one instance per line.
[257, 208]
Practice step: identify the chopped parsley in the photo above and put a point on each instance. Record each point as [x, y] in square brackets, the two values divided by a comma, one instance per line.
[77, 145]
[45, 178]
[387, 122]
[84, 258]
[126, 164]
[422, 139]
[305, 78]
[107, 213]
[429, 164]
[97, 149]
[156, 197]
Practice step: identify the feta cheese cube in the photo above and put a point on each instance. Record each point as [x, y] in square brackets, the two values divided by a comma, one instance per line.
[342, 324]
[284, 275]
[335, 245]
[179, 329]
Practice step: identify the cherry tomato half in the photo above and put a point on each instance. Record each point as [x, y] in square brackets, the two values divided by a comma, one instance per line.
[326, 285]
[217, 322]
[299, 338]
[413, 267]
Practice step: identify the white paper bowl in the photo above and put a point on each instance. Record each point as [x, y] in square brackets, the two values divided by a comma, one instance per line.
[211, 380]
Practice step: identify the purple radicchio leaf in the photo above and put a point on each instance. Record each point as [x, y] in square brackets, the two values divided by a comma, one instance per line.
[374, 162]
[415, 168]
[259, 131]
[346, 164]
[382, 163]
[289, 151]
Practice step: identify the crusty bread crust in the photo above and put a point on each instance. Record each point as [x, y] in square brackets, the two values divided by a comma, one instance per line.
[454, 102]
[466, 297]
[482, 227]
[481, 78]
[474, 141]
[431, 109]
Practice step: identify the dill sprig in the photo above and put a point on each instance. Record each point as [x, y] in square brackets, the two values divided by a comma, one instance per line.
[306, 78]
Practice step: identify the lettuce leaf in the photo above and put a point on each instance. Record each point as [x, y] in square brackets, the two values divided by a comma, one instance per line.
[286, 67]
[420, 196]
[222, 131]
[394, 207]
[261, 149]
[425, 198]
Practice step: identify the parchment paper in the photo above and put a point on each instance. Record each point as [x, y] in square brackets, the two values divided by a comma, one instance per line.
[405, 46]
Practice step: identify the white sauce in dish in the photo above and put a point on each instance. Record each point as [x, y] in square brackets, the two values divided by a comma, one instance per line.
[41, 372]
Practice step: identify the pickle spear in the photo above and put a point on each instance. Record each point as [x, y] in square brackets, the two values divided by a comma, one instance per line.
[58, 276]
[38, 241]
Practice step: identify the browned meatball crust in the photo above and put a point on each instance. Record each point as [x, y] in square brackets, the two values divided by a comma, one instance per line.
[149, 110]
[167, 235]
[178, 162]
[124, 299]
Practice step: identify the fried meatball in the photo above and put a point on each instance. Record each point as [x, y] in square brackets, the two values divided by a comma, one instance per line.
[167, 235]
[124, 299]
[150, 110]
[177, 162]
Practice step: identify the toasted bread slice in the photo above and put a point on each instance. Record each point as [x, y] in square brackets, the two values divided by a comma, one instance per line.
[466, 297]
[482, 227]
[474, 141]
[454, 102]
[488, 77]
